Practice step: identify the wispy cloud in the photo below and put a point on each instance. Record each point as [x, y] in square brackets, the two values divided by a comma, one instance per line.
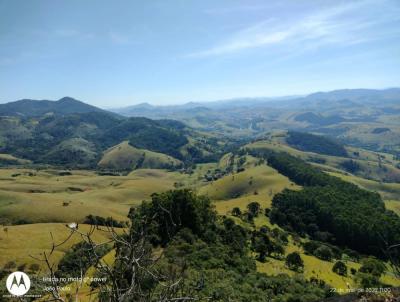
[346, 24]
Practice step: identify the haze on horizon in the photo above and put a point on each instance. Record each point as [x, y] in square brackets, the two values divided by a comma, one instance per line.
[120, 53]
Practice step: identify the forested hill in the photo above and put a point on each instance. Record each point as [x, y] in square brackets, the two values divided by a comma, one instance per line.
[330, 209]
[315, 143]
[36, 108]
[79, 139]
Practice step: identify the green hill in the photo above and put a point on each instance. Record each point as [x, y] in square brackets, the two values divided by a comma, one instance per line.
[79, 140]
[315, 143]
[126, 157]
[367, 164]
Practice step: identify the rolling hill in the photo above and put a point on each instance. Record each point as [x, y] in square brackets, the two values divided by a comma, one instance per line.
[73, 134]
[126, 157]
[351, 115]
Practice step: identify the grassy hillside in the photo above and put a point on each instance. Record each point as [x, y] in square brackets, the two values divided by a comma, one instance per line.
[31, 196]
[393, 205]
[126, 157]
[256, 183]
[369, 165]
[7, 159]
[39, 196]
[386, 190]
[18, 243]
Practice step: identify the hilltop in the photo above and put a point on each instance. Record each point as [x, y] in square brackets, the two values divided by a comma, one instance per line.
[36, 108]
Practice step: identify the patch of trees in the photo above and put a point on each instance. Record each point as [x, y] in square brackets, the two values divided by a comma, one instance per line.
[315, 143]
[101, 221]
[322, 251]
[317, 160]
[215, 174]
[340, 268]
[294, 262]
[302, 173]
[267, 243]
[380, 130]
[369, 273]
[79, 258]
[332, 210]
[253, 209]
[351, 166]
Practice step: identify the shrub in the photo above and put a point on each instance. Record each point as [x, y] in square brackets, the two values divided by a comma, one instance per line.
[294, 261]
[324, 253]
[372, 266]
[340, 268]
[367, 280]
[310, 247]
[236, 212]
[34, 267]
[10, 264]
[254, 208]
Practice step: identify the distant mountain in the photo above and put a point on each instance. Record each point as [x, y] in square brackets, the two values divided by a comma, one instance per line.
[337, 99]
[349, 114]
[148, 110]
[35, 108]
[357, 95]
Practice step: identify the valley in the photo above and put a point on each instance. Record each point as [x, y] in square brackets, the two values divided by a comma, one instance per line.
[95, 168]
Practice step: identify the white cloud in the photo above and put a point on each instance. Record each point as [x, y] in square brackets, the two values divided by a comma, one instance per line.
[354, 22]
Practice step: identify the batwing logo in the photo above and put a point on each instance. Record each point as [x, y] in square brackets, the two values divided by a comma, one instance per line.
[18, 283]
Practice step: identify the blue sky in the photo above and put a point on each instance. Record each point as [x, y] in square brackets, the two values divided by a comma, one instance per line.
[117, 53]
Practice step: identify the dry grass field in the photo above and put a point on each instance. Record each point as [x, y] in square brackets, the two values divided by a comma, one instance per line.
[43, 196]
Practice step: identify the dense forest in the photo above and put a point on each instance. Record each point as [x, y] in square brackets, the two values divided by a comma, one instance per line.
[315, 143]
[329, 209]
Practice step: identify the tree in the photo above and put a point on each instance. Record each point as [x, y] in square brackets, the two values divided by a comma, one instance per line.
[366, 280]
[310, 247]
[324, 253]
[340, 268]
[280, 235]
[294, 261]
[236, 212]
[372, 266]
[261, 244]
[254, 208]
[278, 250]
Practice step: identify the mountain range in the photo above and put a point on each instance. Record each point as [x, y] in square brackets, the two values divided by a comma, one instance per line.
[73, 133]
